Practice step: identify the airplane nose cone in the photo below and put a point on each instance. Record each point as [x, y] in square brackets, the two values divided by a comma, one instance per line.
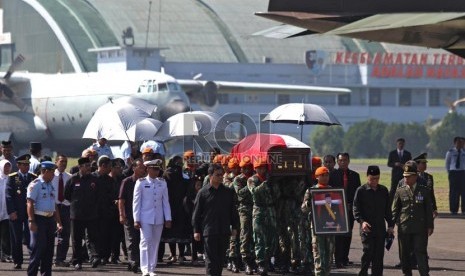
[173, 108]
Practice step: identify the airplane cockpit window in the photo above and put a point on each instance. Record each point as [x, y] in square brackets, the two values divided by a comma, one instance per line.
[163, 86]
[174, 86]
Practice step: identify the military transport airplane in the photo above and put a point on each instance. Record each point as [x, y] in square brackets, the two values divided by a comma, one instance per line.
[427, 23]
[56, 108]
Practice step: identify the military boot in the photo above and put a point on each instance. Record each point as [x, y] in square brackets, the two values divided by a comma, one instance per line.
[248, 269]
[234, 266]
[295, 267]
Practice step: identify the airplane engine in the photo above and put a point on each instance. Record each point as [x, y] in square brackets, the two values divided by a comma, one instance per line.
[25, 126]
[206, 97]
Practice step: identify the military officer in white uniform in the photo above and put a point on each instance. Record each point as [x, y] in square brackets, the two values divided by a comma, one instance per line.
[151, 209]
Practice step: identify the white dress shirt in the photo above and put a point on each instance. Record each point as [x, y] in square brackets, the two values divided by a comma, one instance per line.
[66, 177]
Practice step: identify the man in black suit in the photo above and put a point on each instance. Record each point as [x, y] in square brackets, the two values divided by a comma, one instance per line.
[396, 161]
[348, 179]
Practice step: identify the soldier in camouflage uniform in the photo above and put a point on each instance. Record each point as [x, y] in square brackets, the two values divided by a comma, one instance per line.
[323, 245]
[305, 222]
[288, 214]
[264, 215]
[233, 170]
[412, 211]
[245, 215]
[234, 245]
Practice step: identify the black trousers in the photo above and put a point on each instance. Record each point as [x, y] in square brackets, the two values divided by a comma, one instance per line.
[42, 242]
[64, 235]
[78, 229]
[456, 191]
[215, 252]
[342, 243]
[133, 240]
[19, 229]
[373, 253]
[415, 243]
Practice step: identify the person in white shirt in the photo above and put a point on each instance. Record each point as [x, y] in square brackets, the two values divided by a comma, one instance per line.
[151, 210]
[35, 148]
[102, 148]
[5, 169]
[63, 205]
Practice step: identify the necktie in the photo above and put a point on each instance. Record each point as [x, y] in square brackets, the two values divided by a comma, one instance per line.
[61, 185]
[457, 162]
[400, 155]
[345, 179]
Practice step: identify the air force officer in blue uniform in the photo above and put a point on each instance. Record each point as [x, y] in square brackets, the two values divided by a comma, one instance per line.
[151, 209]
[44, 220]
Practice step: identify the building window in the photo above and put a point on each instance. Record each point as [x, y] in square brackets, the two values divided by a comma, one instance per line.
[434, 97]
[253, 98]
[223, 98]
[375, 97]
[343, 99]
[405, 97]
[283, 99]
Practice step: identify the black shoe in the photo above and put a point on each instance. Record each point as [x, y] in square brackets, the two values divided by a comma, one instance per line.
[248, 270]
[271, 267]
[95, 263]
[61, 264]
[348, 263]
[115, 261]
[339, 265]
[398, 265]
[17, 266]
[135, 268]
[78, 267]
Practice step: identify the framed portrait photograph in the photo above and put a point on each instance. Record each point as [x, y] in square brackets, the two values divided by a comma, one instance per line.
[329, 212]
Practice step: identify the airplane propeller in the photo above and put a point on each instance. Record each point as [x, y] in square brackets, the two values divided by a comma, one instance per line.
[5, 88]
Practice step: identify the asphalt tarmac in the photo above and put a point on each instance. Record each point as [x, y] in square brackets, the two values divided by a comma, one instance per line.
[446, 250]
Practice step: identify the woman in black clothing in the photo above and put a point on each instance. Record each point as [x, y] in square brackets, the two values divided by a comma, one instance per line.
[179, 233]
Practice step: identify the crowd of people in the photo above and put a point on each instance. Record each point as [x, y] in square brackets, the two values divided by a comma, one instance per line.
[218, 209]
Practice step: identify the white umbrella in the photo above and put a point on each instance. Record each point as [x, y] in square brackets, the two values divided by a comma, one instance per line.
[144, 130]
[193, 123]
[113, 119]
[302, 114]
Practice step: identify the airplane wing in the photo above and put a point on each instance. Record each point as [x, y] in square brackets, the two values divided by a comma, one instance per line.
[228, 86]
[427, 29]
[394, 21]
[205, 93]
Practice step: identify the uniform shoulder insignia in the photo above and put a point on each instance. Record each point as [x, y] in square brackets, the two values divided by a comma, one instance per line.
[35, 180]
[33, 174]
[142, 178]
[13, 174]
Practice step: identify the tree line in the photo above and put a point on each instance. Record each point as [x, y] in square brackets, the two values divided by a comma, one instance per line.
[374, 139]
